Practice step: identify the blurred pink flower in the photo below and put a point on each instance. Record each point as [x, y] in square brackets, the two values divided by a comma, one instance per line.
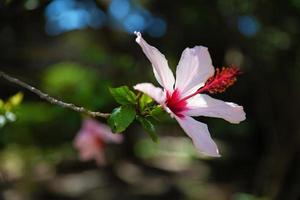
[92, 138]
[183, 98]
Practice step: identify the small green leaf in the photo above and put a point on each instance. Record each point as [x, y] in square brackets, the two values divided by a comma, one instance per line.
[13, 101]
[159, 113]
[123, 95]
[16, 99]
[1, 104]
[144, 101]
[121, 118]
[149, 128]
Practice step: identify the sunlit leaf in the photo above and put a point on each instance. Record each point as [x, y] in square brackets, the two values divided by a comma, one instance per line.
[144, 101]
[123, 95]
[16, 99]
[121, 118]
[1, 104]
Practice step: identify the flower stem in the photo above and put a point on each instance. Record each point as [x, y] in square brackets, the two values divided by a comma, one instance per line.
[52, 100]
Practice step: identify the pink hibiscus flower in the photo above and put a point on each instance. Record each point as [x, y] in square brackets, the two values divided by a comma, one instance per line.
[92, 138]
[183, 98]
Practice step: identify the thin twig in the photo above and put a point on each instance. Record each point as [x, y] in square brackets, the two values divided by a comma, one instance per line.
[52, 100]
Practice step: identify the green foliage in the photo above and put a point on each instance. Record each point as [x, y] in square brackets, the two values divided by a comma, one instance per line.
[1, 103]
[148, 127]
[144, 101]
[139, 106]
[11, 103]
[62, 75]
[158, 113]
[31, 113]
[14, 101]
[7, 108]
[121, 118]
[123, 95]
[72, 82]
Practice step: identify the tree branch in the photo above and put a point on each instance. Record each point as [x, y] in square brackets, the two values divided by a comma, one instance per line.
[50, 99]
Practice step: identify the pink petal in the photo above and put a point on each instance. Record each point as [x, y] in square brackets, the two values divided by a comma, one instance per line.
[108, 136]
[101, 130]
[155, 93]
[88, 146]
[204, 105]
[194, 68]
[199, 133]
[162, 72]
[91, 138]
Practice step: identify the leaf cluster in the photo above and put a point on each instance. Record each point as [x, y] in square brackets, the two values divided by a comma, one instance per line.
[7, 107]
[139, 107]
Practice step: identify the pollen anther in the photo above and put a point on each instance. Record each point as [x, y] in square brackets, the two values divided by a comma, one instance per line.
[222, 79]
[219, 82]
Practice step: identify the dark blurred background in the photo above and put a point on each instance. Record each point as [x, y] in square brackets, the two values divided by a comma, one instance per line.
[75, 49]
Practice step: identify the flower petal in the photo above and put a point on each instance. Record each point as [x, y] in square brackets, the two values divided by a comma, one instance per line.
[200, 135]
[100, 130]
[89, 145]
[155, 93]
[204, 105]
[194, 68]
[162, 72]
[108, 136]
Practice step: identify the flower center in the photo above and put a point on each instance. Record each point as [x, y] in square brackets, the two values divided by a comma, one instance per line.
[99, 142]
[175, 104]
[219, 82]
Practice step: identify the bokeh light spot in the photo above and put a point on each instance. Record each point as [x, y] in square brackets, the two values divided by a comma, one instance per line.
[133, 22]
[67, 15]
[248, 25]
[31, 4]
[119, 8]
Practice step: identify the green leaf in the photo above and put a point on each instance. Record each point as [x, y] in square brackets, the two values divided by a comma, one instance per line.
[16, 99]
[121, 118]
[144, 101]
[1, 104]
[159, 113]
[123, 95]
[13, 101]
[149, 128]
